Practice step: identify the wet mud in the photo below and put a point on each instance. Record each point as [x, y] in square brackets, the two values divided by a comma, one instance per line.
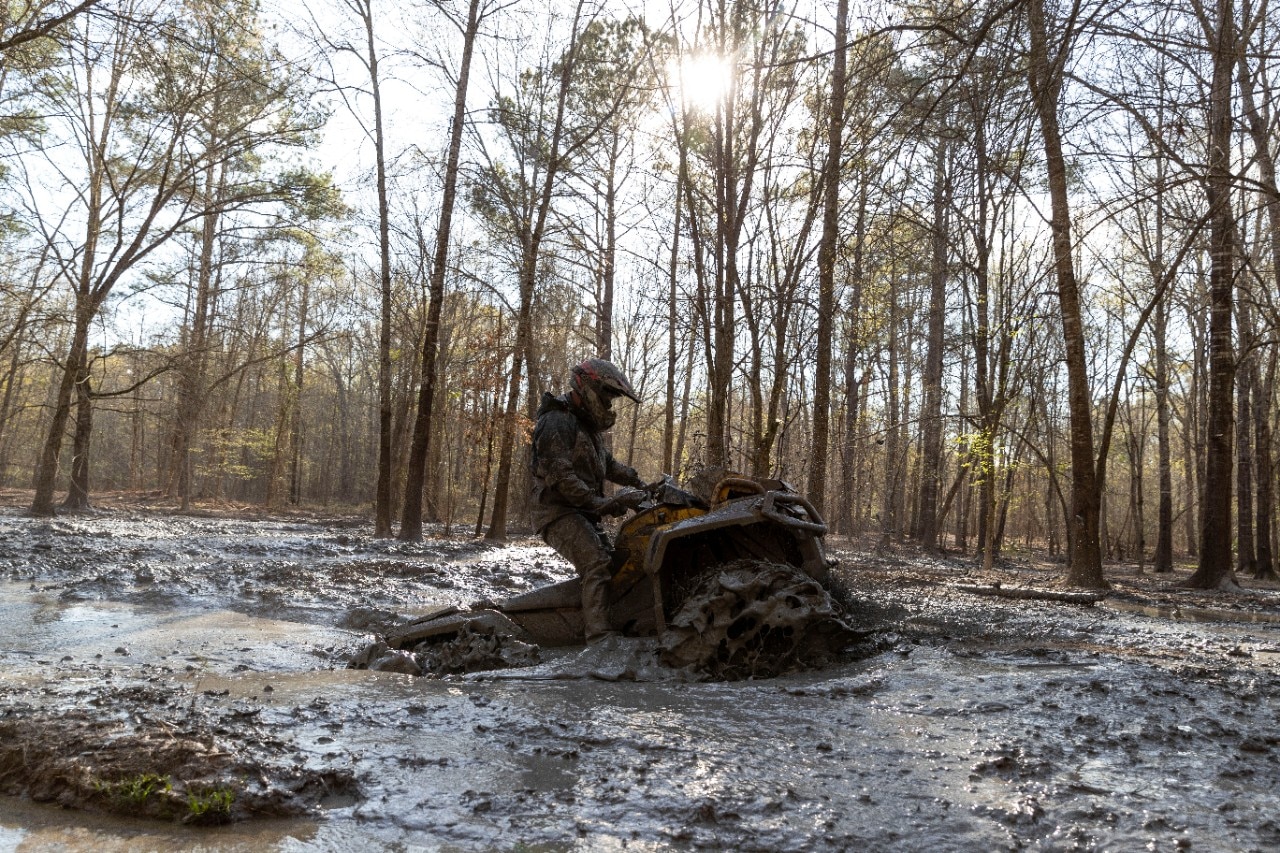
[182, 682]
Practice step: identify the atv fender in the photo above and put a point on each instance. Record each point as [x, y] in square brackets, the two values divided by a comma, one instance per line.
[407, 636]
[551, 616]
[752, 511]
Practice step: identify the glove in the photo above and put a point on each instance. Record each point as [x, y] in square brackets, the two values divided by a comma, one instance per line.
[621, 502]
[631, 498]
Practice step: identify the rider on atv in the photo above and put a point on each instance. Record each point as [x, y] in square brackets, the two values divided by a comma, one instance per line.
[570, 466]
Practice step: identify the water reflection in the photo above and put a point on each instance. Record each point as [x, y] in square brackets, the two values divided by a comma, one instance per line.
[1194, 614]
[29, 826]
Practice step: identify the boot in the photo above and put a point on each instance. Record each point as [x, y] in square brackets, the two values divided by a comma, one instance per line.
[595, 604]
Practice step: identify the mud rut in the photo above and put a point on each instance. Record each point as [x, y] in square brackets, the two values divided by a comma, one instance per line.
[189, 674]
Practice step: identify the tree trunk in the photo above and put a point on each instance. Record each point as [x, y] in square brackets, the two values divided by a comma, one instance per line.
[87, 301]
[608, 264]
[137, 438]
[532, 246]
[1191, 480]
[827, 266]
[720, 370]
[1005, 498]
[683, 431]
[78, 489]
[17, 343]
[1215, 569]
[1245, 555]
[1163, 559]
[386, 415]
[295, 421]
[484, 482]
[1137, 501]
[1265, 567]
[987, 505]
[1258, 123]
[845, 507]
[1164, 450]
[893, 452]
[669, 460]
[931, 414]
[47, 470]
[191, 378]
[963, 478]
[1045, 73]
[419, 450]
[286, 401]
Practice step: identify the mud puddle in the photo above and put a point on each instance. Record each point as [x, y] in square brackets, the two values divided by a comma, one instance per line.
[44, 630]
[25, 826]
[1196, 614]
[973, 723]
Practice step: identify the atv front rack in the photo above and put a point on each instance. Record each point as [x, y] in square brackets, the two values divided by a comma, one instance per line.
[813, 524]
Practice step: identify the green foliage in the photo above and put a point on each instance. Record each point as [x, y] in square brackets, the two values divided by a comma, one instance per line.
[237, 453]
[136, 790]
[981, 454]
[23, 68]
[613, 75]
[240, 105]
[210, 805]
[312, 195]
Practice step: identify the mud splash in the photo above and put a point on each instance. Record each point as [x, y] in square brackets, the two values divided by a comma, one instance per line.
[215, 649]
[472, 649]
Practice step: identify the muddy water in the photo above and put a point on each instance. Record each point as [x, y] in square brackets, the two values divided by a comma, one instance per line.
[963, 723]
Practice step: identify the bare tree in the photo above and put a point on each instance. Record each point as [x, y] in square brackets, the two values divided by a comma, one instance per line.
[517, 204]
[367, 52]
[411, 516]
[1215, 569]
[133, 110]
[1045, 78]
[827, 260]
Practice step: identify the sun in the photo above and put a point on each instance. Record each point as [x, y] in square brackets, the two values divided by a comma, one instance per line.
[703, 80]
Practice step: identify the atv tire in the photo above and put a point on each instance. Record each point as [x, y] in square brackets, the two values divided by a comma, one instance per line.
[754, 619]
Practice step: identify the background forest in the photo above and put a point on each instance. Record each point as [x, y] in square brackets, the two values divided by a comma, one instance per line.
[982, 275]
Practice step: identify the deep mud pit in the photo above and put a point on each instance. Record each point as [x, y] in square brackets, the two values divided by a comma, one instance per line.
[210, 654]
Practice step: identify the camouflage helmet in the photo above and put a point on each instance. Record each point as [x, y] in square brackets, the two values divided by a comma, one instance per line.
[597, 383]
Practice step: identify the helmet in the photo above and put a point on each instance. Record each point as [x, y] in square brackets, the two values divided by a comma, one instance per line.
[596, 383]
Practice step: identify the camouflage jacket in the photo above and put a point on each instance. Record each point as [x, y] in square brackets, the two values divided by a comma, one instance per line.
[570, 464]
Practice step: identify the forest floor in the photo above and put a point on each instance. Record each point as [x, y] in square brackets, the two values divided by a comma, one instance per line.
[179, 682]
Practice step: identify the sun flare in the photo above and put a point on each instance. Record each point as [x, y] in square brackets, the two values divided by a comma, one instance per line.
[703, 80]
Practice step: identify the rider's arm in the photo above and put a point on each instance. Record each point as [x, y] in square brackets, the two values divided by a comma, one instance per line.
[616, 472]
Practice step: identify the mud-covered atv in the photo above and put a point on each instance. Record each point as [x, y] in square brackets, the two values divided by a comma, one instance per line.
[736, 585]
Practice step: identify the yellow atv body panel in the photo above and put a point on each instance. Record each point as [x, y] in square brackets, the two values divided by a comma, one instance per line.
[638, 531]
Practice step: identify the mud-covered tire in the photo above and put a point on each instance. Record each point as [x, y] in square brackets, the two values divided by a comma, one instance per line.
[754, 619]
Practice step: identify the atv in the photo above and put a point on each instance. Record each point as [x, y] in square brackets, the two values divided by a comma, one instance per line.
[734, 584]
